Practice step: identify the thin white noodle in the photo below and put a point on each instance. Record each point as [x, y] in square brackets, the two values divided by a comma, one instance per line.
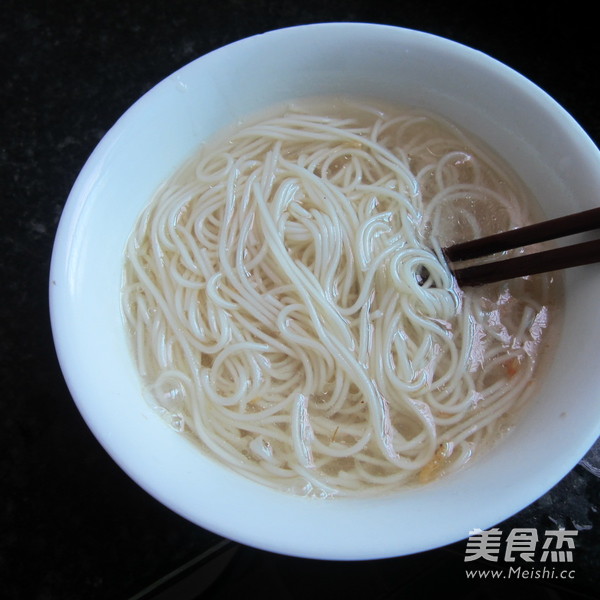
[290, 312]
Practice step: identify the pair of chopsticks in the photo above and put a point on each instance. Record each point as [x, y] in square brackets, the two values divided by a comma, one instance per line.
[527, 264]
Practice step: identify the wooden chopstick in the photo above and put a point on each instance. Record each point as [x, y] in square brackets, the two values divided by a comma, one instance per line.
[527, 264]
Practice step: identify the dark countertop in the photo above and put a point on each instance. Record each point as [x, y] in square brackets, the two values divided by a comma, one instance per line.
[73, 524]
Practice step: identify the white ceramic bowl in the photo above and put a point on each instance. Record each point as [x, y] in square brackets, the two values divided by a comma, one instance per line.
[542, 142]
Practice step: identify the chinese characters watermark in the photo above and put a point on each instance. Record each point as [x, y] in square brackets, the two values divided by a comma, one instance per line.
[520, 548]
[521, 543]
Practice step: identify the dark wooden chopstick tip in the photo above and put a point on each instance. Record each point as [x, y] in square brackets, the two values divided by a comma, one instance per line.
[580, 222]
[530, 264]
[526, 264]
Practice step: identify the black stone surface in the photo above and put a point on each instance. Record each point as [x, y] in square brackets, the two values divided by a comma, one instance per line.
[73, 525]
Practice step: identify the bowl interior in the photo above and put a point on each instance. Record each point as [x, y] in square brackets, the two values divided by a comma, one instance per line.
[536, 136]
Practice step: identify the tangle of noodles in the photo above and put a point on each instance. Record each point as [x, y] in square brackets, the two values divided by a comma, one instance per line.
[290, 311]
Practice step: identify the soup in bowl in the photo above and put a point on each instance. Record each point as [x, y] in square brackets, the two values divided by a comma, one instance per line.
[253, 313]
